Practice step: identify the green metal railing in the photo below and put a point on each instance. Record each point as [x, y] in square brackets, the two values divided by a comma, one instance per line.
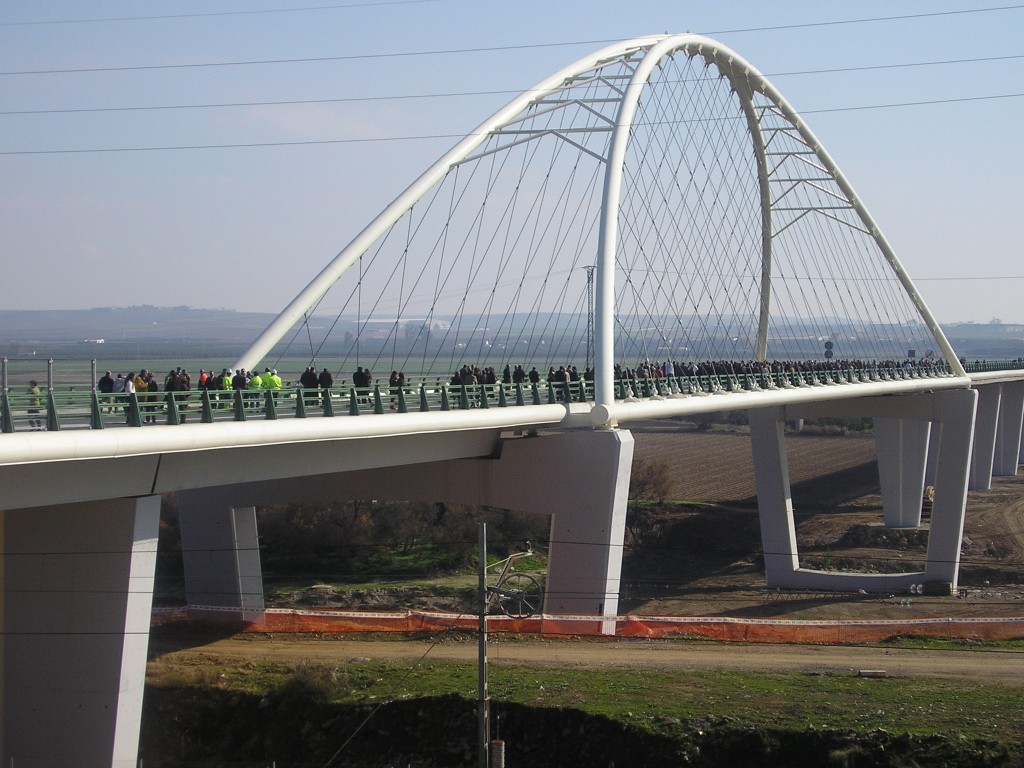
[990, 366]
[89, 409]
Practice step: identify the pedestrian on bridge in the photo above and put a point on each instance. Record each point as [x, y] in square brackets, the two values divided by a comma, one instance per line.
[34, 404]
[106, 387]
[326, 381]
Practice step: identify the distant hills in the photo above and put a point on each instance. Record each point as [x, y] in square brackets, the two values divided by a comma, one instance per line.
[190, 333]
[184, 332]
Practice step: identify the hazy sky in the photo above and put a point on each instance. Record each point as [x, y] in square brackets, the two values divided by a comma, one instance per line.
[147, 157]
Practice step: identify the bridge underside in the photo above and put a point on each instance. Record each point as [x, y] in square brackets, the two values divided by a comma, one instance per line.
[579, 478]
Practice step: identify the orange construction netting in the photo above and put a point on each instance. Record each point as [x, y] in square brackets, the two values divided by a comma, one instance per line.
[713, 628]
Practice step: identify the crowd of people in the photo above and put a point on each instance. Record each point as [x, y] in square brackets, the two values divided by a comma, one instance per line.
[228, 380]
[146, 385]
[669, 368]
[153, 394]
[469, 375]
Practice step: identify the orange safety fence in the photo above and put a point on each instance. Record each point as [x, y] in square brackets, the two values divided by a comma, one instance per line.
[708, 628]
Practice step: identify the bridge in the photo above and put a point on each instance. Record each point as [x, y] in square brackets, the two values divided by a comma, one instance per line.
[655, 213]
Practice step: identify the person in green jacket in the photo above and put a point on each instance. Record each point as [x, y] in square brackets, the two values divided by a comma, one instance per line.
[34, 404]
[272, 381]
[255, 387]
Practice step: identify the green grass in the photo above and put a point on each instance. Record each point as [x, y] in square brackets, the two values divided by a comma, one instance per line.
[414, 569]
[652, 697]
[953, 644]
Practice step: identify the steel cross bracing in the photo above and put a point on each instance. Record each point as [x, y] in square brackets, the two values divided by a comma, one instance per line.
[546, 105]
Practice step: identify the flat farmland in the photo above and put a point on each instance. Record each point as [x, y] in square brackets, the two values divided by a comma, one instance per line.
[717, 466]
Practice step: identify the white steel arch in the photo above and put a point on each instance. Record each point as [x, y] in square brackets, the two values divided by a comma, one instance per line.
[768, 115]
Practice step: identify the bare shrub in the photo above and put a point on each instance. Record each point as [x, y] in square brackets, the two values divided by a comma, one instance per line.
[650, 481]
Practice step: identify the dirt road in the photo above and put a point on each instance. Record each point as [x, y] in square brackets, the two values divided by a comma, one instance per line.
[991, 667]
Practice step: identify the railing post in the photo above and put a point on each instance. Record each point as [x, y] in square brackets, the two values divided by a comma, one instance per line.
[300, 403]
[52, 422]
[134, 415]
[328, 403]
[502, 400]
[270, 404]
[402, 407]
[353, 402]
[464, 397]
[483, 397]
[520, 400]
[5, 410]
[378, 404]
[535, 390]
[239, 405]
[95, 415]
[207, 417]
[424, 405]
[173, 418]
[445, 404]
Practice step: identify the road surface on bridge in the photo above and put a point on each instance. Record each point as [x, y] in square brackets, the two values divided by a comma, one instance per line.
[991, 667]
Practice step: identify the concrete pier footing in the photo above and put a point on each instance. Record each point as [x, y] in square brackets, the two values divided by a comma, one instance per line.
[903, 447]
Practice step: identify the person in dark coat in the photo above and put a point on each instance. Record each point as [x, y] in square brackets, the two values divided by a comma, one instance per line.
[326, 381]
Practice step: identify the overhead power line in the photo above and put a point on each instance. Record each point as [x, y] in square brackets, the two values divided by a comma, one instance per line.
[306, 60]
[422, 137]
[490, 49]
[254, 12]
[457, 94]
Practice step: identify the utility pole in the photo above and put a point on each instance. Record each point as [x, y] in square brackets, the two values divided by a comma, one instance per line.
[482, 699]
[590, 313]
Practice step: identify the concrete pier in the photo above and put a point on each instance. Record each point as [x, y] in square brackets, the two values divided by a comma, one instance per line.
[77, 598]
